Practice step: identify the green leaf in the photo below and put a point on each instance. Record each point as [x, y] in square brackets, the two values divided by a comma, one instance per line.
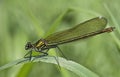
[57, 22]
[67, 64]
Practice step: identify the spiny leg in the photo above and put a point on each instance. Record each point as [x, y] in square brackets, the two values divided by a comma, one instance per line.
[61, 52]
[26, 54]
[30, 55]
[56, 58]
[43, 54]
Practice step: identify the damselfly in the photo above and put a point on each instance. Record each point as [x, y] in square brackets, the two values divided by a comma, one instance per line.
[83, 30]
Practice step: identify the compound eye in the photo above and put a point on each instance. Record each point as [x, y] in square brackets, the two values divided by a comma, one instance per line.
[28, 46]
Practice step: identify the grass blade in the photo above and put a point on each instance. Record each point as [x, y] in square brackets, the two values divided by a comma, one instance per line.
[67, 64]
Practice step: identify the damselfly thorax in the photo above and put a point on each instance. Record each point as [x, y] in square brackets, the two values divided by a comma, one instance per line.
[39, 46]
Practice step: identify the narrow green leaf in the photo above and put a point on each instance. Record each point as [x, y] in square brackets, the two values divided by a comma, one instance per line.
[116, 25]
[57, 22]
[67, 64]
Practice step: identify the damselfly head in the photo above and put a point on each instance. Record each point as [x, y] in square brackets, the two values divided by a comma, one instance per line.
[28, 46]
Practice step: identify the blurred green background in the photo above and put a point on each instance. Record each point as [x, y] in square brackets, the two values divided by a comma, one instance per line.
[29, 20]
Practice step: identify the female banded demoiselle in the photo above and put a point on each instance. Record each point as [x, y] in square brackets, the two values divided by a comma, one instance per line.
[83, 30]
